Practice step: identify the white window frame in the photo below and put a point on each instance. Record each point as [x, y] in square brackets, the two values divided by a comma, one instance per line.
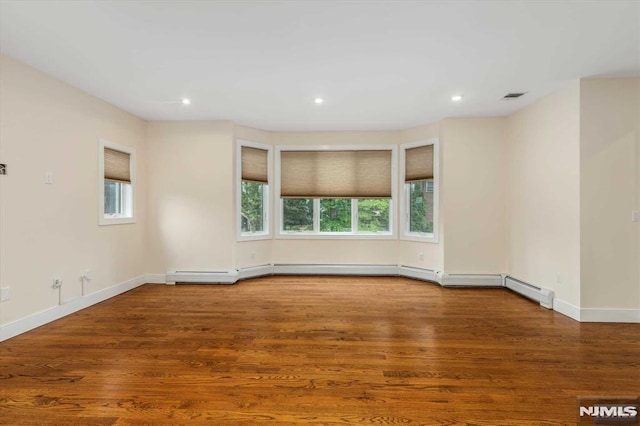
[316, 234]
[116, 219]
[266, 195]
[405, 234]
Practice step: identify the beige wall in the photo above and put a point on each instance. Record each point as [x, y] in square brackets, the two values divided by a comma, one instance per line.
[543, 194]
[192, 222]
[610, 186]
[51, 231]
[473, 196]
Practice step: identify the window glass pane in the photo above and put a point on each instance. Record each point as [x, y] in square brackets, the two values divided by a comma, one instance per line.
[112, 198]
[421, 206]
[297, 214]
[252, 200]
[335, 215]
[373, 215]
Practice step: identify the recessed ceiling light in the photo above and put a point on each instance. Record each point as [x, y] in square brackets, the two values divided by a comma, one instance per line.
[456, 98]
[186, 101]
[318, 100]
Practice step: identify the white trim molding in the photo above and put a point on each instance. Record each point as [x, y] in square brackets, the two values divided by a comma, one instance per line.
[596, 314]
[36, 320]
[470, 280]
[567, 309]
[609, 315]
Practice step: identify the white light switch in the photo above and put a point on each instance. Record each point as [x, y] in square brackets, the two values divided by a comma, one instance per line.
[48, 178]
[635, 216]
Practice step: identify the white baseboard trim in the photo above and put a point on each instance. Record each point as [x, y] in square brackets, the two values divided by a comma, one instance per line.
[36, 320]
[202, 277]
[566, 308]
[470, 280]
[418, 273]
[596, 314]
[255, 272]
[609, 315]
[381, 270]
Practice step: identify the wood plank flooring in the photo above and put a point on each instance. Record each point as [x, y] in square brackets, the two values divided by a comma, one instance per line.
[314, 351]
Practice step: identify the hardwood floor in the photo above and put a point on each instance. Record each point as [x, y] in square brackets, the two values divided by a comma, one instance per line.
[317, 351]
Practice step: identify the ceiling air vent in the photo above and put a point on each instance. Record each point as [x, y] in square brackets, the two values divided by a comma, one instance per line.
[512, 96]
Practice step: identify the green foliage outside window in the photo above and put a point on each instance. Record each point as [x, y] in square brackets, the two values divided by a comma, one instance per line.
[421, 207]
[252, 200]
[297, 214]
[373, 215]
[335, 215]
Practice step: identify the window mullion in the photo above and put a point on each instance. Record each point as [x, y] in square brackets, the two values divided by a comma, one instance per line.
[316, 215]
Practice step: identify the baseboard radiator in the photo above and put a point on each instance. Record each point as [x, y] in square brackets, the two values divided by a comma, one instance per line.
[346, 269]
[470, 280]
[541, 295]
[202, 277]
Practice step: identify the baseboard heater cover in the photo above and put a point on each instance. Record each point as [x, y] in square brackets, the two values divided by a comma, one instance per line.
[419, 273]
[470, 280]
[541, 295]
[347, 269]
[255, 272]
[202, 277]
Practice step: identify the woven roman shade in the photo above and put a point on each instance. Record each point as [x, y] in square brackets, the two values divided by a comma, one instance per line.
[335, 174]
[418, 163]
[117, 165]
[255, 165]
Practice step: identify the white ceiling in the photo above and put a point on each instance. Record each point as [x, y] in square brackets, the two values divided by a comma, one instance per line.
[379, 65]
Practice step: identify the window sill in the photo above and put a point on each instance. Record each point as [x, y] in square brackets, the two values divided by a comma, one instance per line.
[335, 236]
[427, 238]
[254, 237]
[115, 220]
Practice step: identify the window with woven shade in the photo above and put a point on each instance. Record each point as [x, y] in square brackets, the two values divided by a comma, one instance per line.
[419, 205]
[253, 197]
[116, 183]
[337, 191]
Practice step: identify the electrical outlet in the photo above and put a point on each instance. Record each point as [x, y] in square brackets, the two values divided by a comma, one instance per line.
[57, 283]
[48, 178]
[5, 294]
[635, 216]
[86, 275]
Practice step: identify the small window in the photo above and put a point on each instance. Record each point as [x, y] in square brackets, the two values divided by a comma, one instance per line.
[116, 183]
[254, 172]
[420, 196]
